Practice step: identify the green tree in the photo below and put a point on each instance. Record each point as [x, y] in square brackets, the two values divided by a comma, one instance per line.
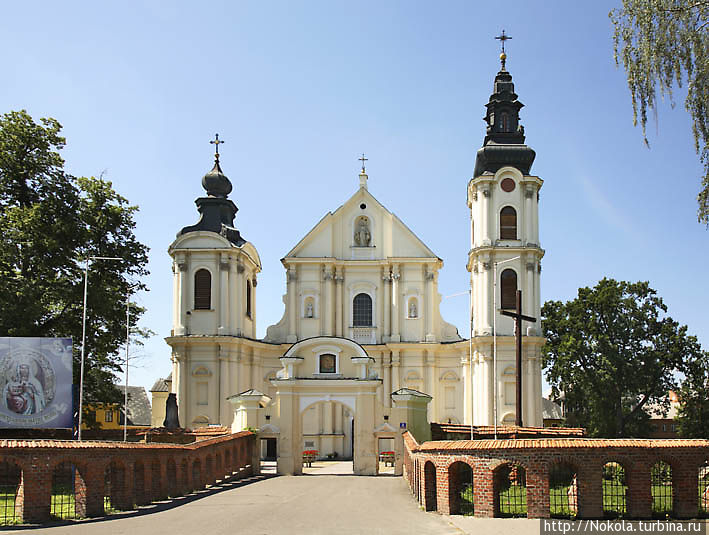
[693, 414]
[613, 352]
[50, 222]
[663, 44]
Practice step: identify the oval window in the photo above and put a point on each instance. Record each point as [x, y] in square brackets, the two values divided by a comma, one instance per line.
[507, 185]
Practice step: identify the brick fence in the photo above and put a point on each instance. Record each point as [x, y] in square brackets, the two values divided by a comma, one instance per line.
[118, 474]
[619, 477]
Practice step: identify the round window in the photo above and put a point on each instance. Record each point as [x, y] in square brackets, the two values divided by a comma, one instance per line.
[363, 206]
[507, 185]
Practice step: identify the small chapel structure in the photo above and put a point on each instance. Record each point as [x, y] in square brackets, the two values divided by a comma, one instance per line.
[362, 352]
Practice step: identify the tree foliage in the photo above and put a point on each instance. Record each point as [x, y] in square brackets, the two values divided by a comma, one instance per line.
[663, 44]
[614, 353]
[693, 414]
[50, 222]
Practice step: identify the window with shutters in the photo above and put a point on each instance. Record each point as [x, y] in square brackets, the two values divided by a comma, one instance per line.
[248, 298]
[508, 223]
[508, 286]
[202, 290]
[362, 310]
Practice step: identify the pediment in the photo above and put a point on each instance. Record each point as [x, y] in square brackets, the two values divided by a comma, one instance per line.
[334, 235]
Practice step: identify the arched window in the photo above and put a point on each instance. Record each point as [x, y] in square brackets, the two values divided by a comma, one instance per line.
[505, 122]
[508, 288]
[202, 290]
[508, 223]
[248, 298]
[362, 311]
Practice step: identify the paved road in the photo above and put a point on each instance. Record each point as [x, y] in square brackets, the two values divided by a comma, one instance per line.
[317, 504]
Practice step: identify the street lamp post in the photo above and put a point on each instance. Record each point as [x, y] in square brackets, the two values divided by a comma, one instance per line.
[83, 334]
[494, 338]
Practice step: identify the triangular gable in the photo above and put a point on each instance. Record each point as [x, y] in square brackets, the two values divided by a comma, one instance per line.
[331, 237]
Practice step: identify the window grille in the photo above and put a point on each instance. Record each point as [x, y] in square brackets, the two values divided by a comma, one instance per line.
[508, 223]
[9, 483]
[108, 416]
[202, 290]
[662, 492]
[563, 492]
[511, 491]
[704, 490]
[614, 491]
[63, 503]
[362, 310]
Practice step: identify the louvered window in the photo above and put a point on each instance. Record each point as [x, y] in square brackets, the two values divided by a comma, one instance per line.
[508, 286]
[362, 311]
[202, 290]
[508, 223]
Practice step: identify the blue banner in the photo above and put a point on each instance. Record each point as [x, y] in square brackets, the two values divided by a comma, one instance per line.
[36, 382]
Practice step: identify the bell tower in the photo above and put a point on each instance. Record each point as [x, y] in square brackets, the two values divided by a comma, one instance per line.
[505, 256]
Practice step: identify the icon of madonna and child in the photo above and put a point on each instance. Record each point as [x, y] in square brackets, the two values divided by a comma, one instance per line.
[25, 392]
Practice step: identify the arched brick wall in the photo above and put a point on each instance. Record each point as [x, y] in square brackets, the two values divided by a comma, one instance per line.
[537, 456]
[138, 472]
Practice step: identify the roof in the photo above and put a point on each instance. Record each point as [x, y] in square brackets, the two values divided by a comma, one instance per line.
[162, 385]
[551, 410]
[139, 411]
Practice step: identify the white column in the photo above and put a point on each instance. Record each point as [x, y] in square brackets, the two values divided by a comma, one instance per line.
[535, 216]
[239, 305]
[223, 295]
[326, 305]
[486, 295]
[185, 286]
[467, 390]
[431, 385]
[395, 304]
[338, 418]
[254, 283]
[395, 369]
[293, 311]
[242, 378]
[484, 200]
[339, 279]
[327, 418]
[234, 304]
[225, 408]
[182, 386]
[429, 281]
[386, 366]
[386, 315]
[528, 294]
[537, 304]
[177, 327]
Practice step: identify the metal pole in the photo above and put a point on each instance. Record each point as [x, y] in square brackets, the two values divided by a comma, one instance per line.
[494, 345]
[470, 359]
[125, 402]
[518, 359]
[83, 347]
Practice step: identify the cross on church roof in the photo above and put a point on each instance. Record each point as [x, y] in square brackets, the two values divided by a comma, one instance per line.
[363, 159]
[502, 38]
[216, 141]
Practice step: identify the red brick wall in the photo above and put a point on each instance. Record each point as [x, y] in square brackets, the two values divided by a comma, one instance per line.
[139, 473]
[535, 457]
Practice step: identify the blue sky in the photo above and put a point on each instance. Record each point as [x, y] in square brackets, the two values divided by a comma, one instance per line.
[299, 90]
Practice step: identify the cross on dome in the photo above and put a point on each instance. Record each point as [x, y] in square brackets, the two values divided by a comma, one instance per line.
[216, 142]
[363, 159]
[502, 38]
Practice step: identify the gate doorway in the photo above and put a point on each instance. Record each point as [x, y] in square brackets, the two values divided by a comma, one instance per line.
[269, 449]
[328, 439]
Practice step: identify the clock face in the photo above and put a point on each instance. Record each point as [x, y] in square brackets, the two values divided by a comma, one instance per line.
[507, 185]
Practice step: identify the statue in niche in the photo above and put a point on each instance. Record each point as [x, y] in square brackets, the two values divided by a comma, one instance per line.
[413, 313]
[309, 309]
[362, 235]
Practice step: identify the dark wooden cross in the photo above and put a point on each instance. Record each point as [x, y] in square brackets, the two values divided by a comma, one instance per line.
[216, 141]
[363, 159]
[518, 317]
[502, 38]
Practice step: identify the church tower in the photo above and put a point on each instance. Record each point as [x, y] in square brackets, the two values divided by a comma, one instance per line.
[214, 307]
[505, 256]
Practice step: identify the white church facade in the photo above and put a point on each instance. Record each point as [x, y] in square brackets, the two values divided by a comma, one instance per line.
[362, 352]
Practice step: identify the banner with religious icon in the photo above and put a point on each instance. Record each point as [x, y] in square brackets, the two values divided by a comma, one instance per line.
[36, 382]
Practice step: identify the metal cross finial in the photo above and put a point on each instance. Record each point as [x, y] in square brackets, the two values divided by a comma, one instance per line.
[216, 141]
[502, 38]
[363, 159]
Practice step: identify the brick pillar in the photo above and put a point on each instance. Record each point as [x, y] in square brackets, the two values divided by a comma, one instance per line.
[484, 492]
[537, 490]
[122, 490]
[184, 479]
[142, 496]
[93, 475]
[158, 481]
[34, 492]
[685, 482]
[639, 494]
[255, 455]
[589, 481]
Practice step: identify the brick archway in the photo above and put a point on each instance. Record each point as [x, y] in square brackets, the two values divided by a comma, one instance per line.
[430, 485]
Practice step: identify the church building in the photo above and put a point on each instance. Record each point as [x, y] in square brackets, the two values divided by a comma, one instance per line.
[362, 352]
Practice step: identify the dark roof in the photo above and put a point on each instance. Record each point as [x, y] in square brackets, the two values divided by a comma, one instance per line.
[139, 412]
